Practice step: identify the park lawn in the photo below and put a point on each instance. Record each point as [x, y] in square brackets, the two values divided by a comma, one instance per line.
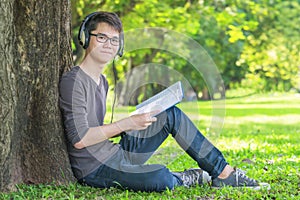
[260, 135]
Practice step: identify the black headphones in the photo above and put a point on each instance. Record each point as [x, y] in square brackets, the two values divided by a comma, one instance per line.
[84, 35]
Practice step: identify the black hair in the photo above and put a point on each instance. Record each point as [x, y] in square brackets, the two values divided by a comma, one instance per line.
[110, 18]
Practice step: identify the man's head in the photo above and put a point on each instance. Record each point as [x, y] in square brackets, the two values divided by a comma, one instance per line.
[92, 22]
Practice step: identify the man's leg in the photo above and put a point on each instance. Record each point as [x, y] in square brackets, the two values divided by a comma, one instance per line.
[133, 177]
[207, 156]
[140, 145]
[127, 169]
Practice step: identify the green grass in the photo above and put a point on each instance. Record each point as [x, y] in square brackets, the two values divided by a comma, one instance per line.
[260, 135]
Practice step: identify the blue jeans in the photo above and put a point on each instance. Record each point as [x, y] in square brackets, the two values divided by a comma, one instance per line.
[128, 170]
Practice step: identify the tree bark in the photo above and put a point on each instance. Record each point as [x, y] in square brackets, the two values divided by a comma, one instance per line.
[35, 50]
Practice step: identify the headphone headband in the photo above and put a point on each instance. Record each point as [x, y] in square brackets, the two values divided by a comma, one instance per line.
[84, 35]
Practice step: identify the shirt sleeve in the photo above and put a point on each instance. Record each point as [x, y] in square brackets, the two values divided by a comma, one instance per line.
[73, 105]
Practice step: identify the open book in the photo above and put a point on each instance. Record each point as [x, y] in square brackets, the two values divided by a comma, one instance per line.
[162, 101]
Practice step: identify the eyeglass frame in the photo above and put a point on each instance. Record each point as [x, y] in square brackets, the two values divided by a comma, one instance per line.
[107, 38]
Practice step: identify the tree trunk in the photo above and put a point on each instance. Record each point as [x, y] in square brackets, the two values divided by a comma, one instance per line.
[35, 50]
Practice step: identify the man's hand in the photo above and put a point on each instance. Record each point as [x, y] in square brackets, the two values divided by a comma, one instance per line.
[138, 121]
[101, 133]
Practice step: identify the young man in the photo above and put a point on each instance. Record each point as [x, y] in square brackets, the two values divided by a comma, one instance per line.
[98, 162]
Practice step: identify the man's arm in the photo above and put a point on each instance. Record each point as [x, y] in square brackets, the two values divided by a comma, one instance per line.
[98, 134]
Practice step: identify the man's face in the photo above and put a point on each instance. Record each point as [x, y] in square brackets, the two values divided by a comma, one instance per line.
[102, 51]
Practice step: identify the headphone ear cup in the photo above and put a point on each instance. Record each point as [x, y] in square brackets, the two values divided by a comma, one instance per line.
[86, 39]
[83, 34]
[121, 45]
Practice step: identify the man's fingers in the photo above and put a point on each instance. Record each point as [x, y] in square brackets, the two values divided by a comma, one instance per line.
[150, 115]
[151, 119]
[154, 119]
[145, 126]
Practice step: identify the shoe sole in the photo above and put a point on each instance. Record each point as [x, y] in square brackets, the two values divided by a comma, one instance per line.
[261, 186]
[206, 178]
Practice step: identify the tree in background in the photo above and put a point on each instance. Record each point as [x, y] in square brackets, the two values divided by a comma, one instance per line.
[35, 50]
[254, 43]
[272, 53]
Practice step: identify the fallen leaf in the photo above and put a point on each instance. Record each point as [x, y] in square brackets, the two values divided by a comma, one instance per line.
[247, 160]
[270, 162]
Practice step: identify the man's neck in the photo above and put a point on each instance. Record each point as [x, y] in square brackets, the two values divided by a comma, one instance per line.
[94, 70]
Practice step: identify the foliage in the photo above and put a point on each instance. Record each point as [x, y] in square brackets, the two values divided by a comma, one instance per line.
[254, 44]
[261, 136]
[272, 57]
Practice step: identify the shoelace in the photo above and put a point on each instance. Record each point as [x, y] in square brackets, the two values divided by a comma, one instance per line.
[242, 174]
[190, 178]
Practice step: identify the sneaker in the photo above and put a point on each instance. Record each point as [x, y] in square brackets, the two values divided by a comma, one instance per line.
[238, 178]
[193, 177]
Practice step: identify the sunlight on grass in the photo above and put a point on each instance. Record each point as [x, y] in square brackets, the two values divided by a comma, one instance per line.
[262, 119]
[268, 105]
[235, 144]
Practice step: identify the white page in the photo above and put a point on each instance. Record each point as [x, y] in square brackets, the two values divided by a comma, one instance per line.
[162, 101]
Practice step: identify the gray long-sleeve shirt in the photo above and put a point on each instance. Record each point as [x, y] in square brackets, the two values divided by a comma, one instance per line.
[83, 105]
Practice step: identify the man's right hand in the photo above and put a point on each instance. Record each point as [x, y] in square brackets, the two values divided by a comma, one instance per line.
[137, 122]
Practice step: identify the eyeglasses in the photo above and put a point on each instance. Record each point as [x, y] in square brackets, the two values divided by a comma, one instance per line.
[102, 38]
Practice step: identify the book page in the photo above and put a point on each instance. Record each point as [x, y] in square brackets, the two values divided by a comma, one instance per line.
[162, 101]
